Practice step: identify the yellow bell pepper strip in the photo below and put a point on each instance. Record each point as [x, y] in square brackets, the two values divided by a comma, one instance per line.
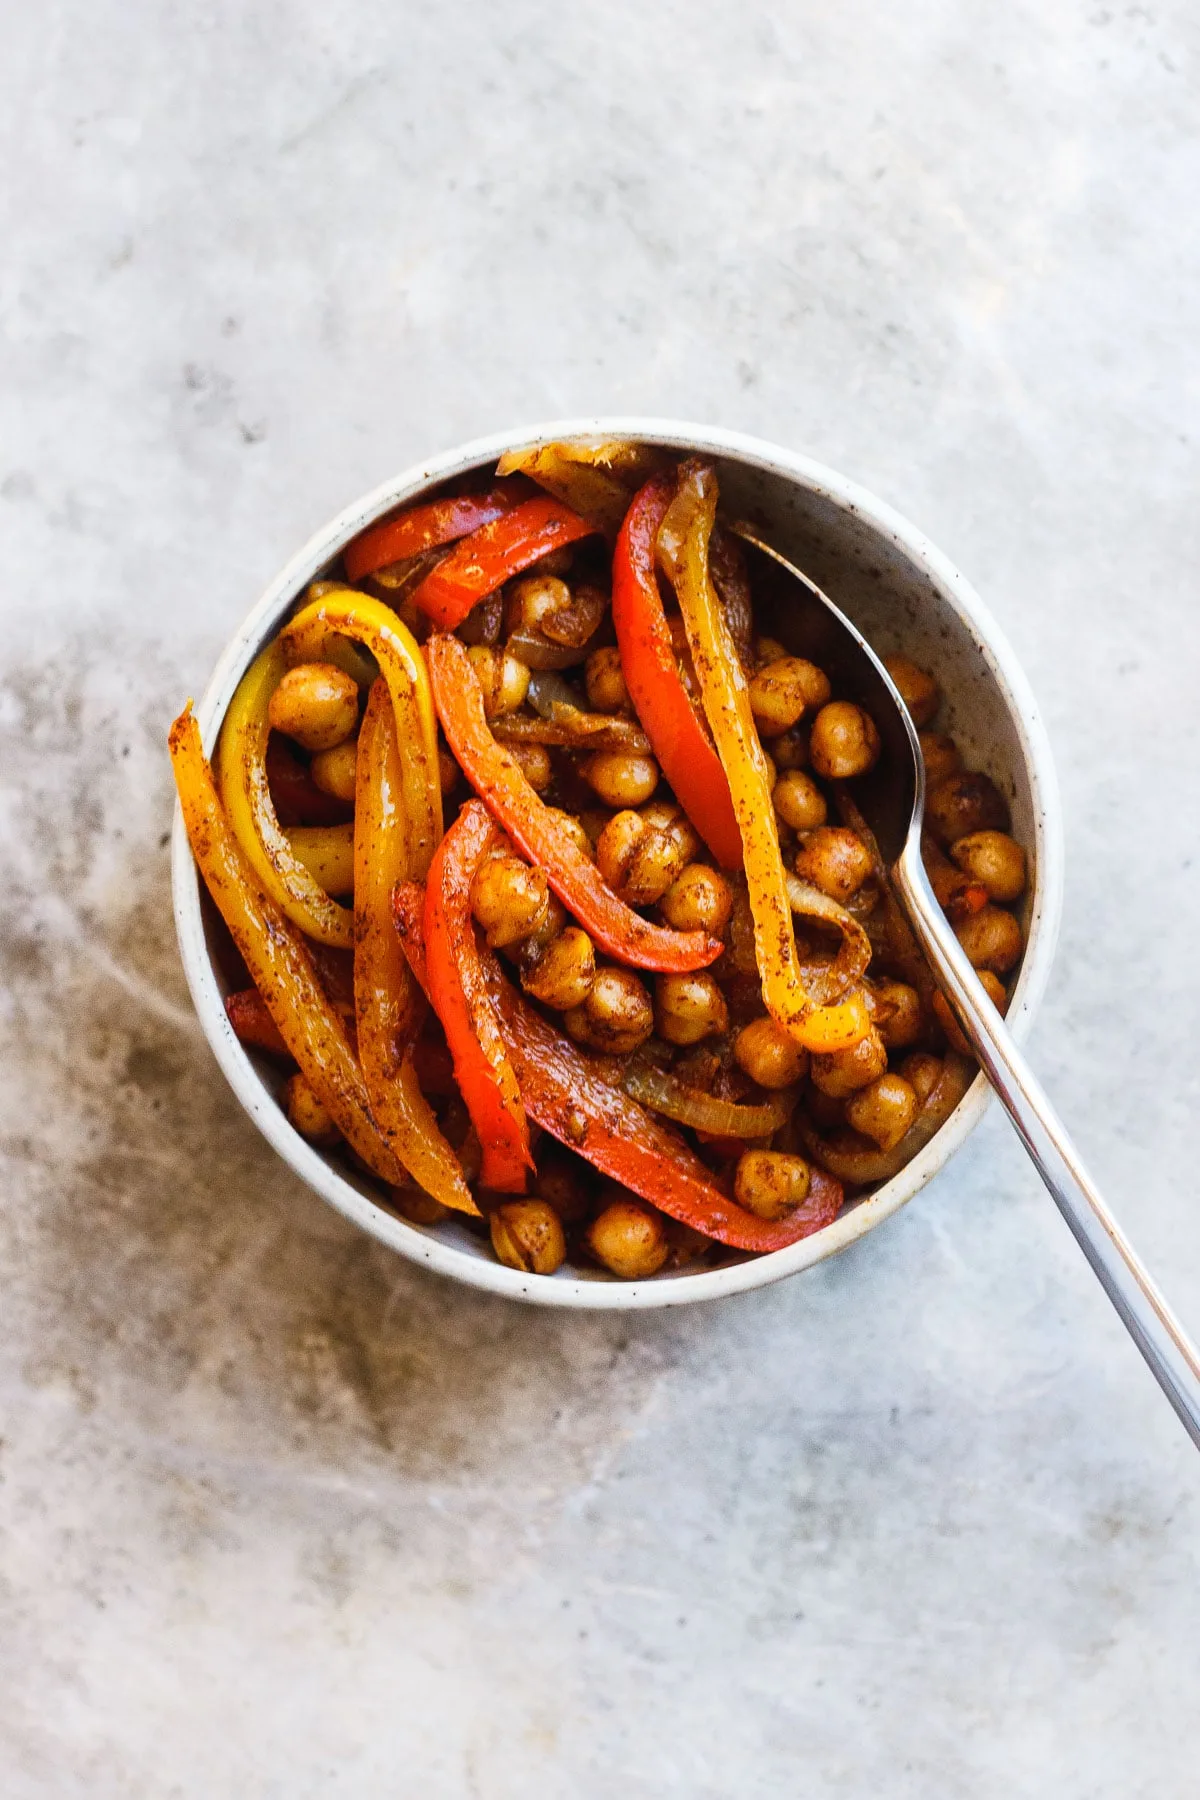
[427, 527]
[537, 830]
[387, 1005]
[563, 1092]
[460, 1000]
[683, 546]
[481, 563]
[681, 742]
[241, 771]
[327, 852]
[345, 613]
[276, 956]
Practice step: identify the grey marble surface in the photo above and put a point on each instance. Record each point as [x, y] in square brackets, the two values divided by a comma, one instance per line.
[280, 1515]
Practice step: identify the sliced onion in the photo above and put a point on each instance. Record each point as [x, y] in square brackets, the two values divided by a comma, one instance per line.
[848, 1157]
[827, 984]
[574, 730]
[546, 691]
[665, 1093]
[536, 652]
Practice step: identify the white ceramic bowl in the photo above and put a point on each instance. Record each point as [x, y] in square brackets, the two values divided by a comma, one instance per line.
[902, 593]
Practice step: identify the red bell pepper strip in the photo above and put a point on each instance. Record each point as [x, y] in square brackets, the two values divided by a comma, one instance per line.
[461, 1000]
[488, 558]
[252, 1023]
[425, 527]
[681, 742]
[537, 832]
[565, 1096]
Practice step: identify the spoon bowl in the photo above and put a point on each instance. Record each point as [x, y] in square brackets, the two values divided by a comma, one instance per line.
[891, 800]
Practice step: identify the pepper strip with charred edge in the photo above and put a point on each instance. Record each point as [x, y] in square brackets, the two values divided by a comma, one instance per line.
[683, 544]
[491, 556]
[460, 998]
[497, 777]
[241, 772]
[276, 956]
[566, 1097]
[584, 485]
[387, 1004]
[426, 527]
[344, 613]
[681, 743]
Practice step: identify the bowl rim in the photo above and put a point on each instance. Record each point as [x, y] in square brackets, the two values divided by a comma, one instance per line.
[569, 1290]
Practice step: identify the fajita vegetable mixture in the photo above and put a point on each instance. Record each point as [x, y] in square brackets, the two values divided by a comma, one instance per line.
[544, 880]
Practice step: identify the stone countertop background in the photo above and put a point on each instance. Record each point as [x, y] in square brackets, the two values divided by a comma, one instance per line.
[280, 1514]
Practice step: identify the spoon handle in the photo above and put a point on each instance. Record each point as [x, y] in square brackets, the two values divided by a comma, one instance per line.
[1146, 1315]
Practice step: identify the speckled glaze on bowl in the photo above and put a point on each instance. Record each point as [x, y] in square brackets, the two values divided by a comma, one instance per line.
[902, 593]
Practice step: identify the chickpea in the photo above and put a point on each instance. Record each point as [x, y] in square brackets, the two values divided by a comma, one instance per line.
[573, 828]
[563, 975]
[901, 1024]
[307, 1114]
[336, 771]
[508, 898]
[689, 1007]
[782, 690]
[771, 1184]
[605, 680]
[640, 854]
[918, 689]
[955, 1036]
[834, 860]
[768, 650]
[965, 803]
[941, 757]
[534, 763]
[994, 860]
[628, 1237]
[617, 1015]
[528, 950]
[448, 772]
[799, 801]
[504, 680]
[535, 599]
[922, 1071]
[562, 1184]
[790, 748]
[528, 1235]
[843, 741]
[620, 778]
[418, 1207]
[883, 1110]
[316, 704]
[768, 1054]
[840, 1073]
[992, 939]
[699, 899]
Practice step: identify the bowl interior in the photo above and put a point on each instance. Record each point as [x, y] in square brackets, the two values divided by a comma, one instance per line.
[903, 596]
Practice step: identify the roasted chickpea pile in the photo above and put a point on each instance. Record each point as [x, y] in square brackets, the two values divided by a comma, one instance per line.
[529, 806]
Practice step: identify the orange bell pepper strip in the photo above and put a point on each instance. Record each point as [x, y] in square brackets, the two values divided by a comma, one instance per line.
[683, 546]
[427, 527]
[681, 743]
[276, 956]
[462, 1003]
[387, 1005]
[563, 1093]
[537, 831]
[481, 563]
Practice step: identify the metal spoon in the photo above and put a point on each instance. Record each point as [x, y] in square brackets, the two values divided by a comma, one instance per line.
[892, 801]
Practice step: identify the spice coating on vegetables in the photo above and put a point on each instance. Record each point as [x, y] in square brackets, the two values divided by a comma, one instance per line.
[549, 904]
